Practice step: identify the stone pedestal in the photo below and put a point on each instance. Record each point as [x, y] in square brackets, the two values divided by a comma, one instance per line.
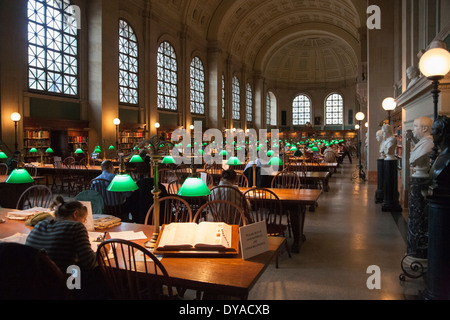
[438, 273]
[390, 187]
[417, 238]
[379, 194]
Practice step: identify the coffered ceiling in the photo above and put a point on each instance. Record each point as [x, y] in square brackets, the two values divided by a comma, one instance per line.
[290, 41]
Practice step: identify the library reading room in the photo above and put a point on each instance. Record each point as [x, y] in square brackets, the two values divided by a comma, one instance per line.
[200, 150]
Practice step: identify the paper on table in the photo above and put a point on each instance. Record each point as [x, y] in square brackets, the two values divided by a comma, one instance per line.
[128, 235]
[89, 224]
[17, 238]
[25, 214]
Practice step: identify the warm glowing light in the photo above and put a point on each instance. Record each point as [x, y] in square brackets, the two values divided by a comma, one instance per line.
[116, 121]
[389, 104]
[15, 116]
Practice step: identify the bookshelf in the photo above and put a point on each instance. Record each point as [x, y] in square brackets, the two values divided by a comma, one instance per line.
[128, 139]
[39, 139]
[77, 139]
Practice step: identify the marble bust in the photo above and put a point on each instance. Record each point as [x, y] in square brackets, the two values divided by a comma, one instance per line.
[413, 75]
[440, 171]
[389, 142]
[419, 157]
[379, 136]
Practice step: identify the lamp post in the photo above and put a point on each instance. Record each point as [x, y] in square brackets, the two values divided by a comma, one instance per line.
[360, 117]
[116, 122]
[435, 64]
[15, 116]
[389, 105]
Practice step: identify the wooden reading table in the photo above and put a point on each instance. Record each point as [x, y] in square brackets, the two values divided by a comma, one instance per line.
[221, 276]
[299, 198]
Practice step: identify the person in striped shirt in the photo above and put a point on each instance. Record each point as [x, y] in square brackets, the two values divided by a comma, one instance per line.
[65, 238]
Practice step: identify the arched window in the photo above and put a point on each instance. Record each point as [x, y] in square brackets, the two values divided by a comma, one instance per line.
[197, 76]
[301, 110]
[334, 109]
[52, 47]
[223, 96]
[271, 109]
[249, 103]
[128, 64]
[236, 100]
[167, 77]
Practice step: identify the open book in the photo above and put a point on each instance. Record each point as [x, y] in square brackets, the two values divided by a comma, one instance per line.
[192, 236]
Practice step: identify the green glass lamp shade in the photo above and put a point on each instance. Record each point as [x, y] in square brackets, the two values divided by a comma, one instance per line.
[3, 155]
[122, 183]
[223, 153]
[200, 151]
[79, 150]
[168, 159]
[97, 150]
[270, 153]
[136, 158]
[234, 161]
[111, 147]
[314, 149]
[294, 148]
[189, 146]
[33, 150]
[193, 187]
[49, 150]
[275, 161]
[19, 176]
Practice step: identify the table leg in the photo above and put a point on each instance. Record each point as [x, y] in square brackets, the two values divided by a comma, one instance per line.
[297, 218]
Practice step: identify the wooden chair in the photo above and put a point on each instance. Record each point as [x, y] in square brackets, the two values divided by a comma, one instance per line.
[77, 179]
[174, 186]
[209, 179]
[233, 194]
[35, 196]
[27, 273]
[221, 211]
[3, 169]
[241, 180]
[68, 161]
[113, 200]
[84, 161]
[166, 175]
[286, 180]
[172, 209]
[213, 168]
[132, 272]
[265, 205]
[32, 169]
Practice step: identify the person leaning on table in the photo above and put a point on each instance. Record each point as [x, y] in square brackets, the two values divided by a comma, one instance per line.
[65, 239]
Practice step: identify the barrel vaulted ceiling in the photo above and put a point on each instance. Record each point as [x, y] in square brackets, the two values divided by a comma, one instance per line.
[289, 41]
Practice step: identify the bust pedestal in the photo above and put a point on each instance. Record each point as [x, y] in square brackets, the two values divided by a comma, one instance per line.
[379, 194]
[390, 187]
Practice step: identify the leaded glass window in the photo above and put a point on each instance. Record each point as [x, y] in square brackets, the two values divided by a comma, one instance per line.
[268, 109]
[249, 103]
[334, 109]
[197, 76]
[167, 77]
[128, 64]
[301, 110]
[223, 96]
[236, 99]
[52, 47]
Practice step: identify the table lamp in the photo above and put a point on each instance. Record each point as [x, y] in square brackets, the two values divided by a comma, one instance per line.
[19, 175]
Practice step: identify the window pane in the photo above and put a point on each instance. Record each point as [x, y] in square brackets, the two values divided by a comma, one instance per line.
[236, 99]
[334, 109]
[52, 47]
[197, 85]
[301, 112]
[249, 103]
[167, 77]
[128, 64]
